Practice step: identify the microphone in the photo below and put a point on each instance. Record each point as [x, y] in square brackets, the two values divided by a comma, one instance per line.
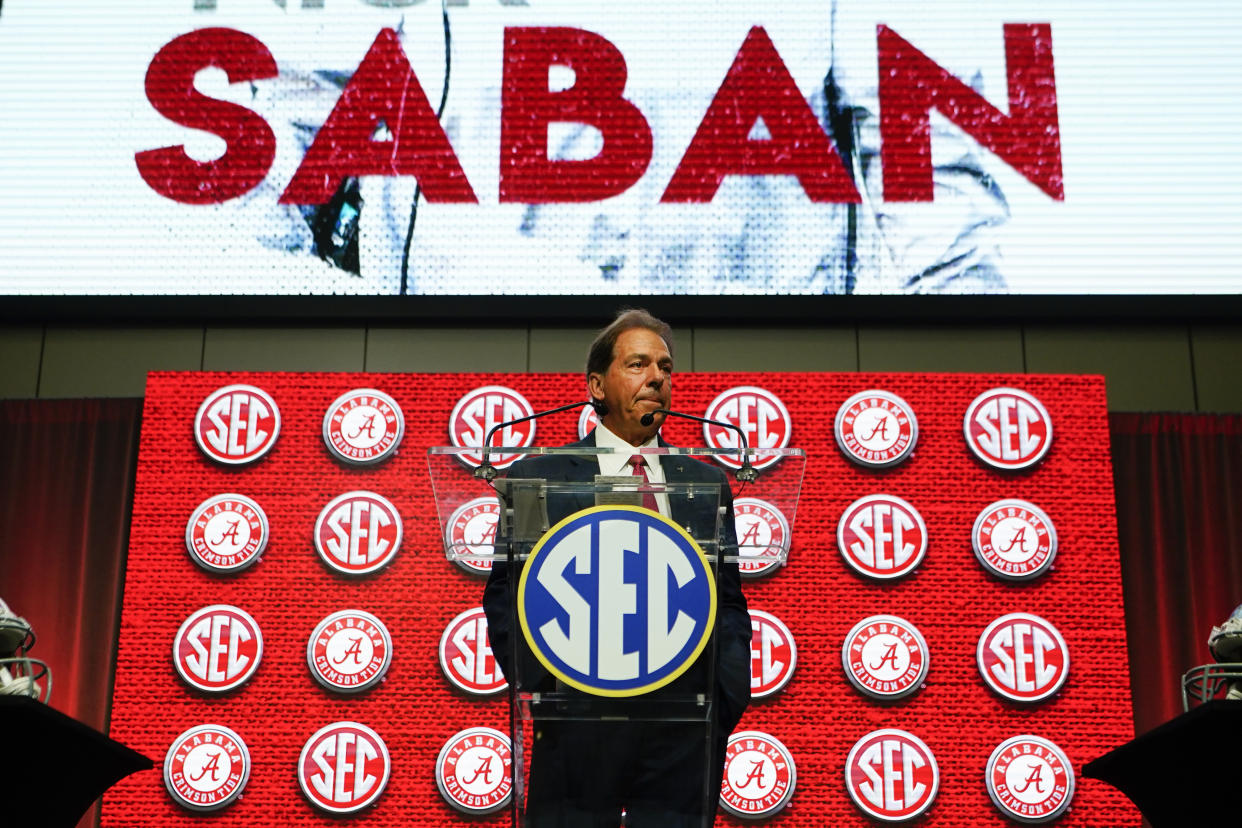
[747, 473]
[486, 471]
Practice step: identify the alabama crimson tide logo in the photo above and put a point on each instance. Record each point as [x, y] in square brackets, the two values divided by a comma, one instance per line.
[1030, 779]
[876, 428]
[885, 657]
[344, 767]
[760, 415]
[891, 775]
[237, 424]
[762, 536]
[881, 536]
[363, 426]
[474, 771]
[1022, 657]
[470, 535]
[217, 648]
[1008, 428]
[773, 654]
[466, 655]
[349, 651]
[759, 776]
[587, 421]
[206, 768]
[226, 533]
[1014, 540]
[358, 533]
[481, 410]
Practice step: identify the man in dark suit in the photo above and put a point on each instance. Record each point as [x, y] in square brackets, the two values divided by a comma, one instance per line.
[584, 774]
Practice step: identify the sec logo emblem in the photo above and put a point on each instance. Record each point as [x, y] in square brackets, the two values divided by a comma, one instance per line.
[349, 651]
[587, 421]
[358, 533]
[882, 537]
[466, 655]
[1022, 657]
[616, 600]
[759, 776]
[343, 768]
[226, 533]
[363, 426]
[773, 654]
[876, 429]
[474, 771]
[206, 768]
[762, 536]
[1008, 429]
[885, 657]
[237, 424]
[1014, 540]
[892, 775]
[217, 648]
[470, 535]
[482, 409]
[760, 415]
[1030, 780]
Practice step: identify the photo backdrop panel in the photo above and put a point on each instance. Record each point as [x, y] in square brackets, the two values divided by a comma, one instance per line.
[818, 715]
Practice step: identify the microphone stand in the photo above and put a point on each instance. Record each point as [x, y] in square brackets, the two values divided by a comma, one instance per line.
[486, 471]
[747, 473]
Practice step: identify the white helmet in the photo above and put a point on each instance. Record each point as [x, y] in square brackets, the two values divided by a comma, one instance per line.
[21, 675]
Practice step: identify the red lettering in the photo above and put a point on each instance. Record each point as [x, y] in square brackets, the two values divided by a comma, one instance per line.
[250, 144]
[383, 90]
[911, 84]
[527, 175]
[758, 85]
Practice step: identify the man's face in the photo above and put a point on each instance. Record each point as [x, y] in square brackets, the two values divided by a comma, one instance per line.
[639, 380]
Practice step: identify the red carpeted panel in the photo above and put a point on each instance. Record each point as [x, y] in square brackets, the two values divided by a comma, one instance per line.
[818, 716]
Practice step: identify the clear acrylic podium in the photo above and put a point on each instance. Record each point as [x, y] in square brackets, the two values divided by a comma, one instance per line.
[550, 485]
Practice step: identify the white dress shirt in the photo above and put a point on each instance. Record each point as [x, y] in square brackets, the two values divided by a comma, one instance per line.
[617, 464]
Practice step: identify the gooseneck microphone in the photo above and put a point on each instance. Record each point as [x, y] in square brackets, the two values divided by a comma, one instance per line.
[747, 473]
[486, 471]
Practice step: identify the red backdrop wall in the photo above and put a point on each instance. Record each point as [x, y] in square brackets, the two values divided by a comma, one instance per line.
[818, 716]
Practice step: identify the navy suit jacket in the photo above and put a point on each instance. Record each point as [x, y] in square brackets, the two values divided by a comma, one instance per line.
[733, 632]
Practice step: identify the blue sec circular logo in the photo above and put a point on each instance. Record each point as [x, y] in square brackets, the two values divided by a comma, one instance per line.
[617, 600]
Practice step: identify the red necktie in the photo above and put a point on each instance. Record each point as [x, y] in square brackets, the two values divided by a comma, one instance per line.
[640, 470]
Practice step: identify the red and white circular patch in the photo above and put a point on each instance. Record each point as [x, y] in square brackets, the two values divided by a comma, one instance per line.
[1008, 428]
[881, 536]
[773, 654]
[762, 536]
[876, 429]
[344, 767]
[470, 535]
[206, 768]
[363, 426]
[217, 648]
[760, 415]
[358, 533]
[1030, 779]
[466, 655]
[885, 657]
[1014, 540]
[759, 776]
[587, 421]
[892, 775]
[482, 409]
[349, 651]
[474, 771]
[237, 424]
[1022, 657]
[226, 533]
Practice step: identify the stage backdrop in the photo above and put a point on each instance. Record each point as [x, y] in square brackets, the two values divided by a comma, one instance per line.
[818, 716]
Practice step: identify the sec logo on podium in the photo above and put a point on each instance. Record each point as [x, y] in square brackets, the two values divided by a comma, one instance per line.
[617, 600]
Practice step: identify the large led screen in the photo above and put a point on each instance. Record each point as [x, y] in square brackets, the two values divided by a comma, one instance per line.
[525, 147]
